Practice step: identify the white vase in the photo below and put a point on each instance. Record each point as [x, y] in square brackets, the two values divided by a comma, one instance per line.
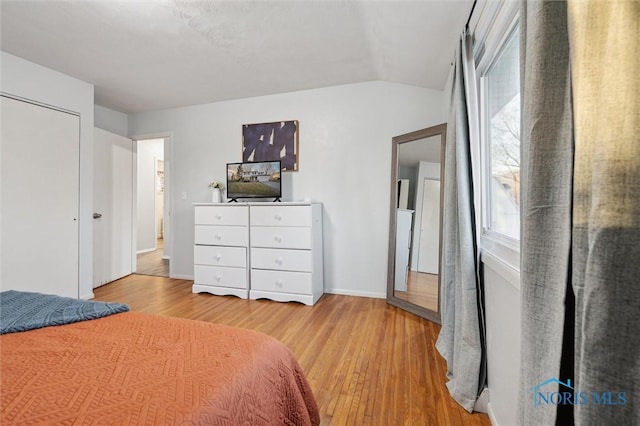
[215, 195]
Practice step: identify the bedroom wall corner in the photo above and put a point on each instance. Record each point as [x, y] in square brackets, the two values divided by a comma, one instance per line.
[111, 120]
[345, 163]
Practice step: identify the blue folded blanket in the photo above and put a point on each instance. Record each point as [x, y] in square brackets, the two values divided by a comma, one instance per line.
[22, 311]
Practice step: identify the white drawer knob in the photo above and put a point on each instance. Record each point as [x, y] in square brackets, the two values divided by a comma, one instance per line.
[278, 283]
[279, 260]
[218, 277]
[277, 217]
[218, 237]
[218, 216]
[278, 238]
[217, 257]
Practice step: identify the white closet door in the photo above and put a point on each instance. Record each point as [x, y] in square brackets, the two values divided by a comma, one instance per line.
[40, 195]
[429, 251]
[113, 200]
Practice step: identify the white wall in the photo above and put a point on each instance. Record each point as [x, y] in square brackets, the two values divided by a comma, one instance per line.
[149, 151]
[344, 159]
[111, 121]
[502, 312]
[34, 82]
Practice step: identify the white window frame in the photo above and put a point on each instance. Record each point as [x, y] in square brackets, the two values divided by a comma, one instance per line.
[496, 31]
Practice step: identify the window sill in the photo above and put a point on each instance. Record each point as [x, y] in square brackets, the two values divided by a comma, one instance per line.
[502, 258]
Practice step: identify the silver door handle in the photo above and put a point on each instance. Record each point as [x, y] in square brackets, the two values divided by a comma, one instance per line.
[97, 215]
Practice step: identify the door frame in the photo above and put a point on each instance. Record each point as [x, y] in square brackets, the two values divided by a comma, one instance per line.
[168, 206]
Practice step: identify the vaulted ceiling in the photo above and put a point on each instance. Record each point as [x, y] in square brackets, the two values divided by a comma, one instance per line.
[154, 54]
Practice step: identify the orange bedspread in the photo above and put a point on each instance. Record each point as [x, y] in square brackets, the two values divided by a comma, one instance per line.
[134, 368]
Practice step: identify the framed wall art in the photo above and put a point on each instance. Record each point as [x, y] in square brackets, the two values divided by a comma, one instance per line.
[271, 142]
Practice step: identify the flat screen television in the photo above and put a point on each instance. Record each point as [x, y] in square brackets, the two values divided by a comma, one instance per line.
[256, 179]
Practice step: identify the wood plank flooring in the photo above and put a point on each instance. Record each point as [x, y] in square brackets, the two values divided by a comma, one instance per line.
[152, 263]
[368, 363]
[422, 290]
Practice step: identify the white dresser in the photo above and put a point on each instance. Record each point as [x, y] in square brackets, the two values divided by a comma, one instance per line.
[404, 221]
[221, 249]
[286, 252]
[259, 250]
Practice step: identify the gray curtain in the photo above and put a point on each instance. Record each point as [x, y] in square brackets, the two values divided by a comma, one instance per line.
[546, 187]
[605, 59]
[460, 340]
[580, 210]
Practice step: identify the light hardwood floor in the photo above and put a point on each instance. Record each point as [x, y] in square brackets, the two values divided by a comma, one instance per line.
[152, 263]
[422, 290]
[367, 362]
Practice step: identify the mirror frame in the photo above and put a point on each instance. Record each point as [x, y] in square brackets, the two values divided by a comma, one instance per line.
[439, 130]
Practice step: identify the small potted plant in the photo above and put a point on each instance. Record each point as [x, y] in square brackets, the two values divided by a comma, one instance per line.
[216, 191]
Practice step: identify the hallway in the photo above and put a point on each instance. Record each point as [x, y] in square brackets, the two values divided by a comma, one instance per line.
[152, 263]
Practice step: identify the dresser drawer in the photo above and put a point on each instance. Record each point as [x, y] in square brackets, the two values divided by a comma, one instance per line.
[286, 260]
[222, 235]
[220, 276]
[222, 215]
[281, 237]
[281, 216]
[281, 281]
[220, 256]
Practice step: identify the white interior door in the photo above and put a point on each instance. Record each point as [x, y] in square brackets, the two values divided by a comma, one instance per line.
[40, 198]
[429, 250]
[113, 203]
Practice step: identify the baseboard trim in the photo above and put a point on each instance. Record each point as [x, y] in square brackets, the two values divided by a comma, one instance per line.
[149, 250]
[344, 292]
[492, 416]
[181, 277]
[482, 403]
[88, 296]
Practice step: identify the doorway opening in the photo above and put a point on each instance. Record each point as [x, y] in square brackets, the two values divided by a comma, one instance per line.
[152, 208]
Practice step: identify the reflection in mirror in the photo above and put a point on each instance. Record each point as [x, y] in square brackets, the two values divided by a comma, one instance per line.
[414, 246]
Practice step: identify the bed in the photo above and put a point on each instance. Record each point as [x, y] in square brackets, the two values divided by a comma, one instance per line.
[68, 361]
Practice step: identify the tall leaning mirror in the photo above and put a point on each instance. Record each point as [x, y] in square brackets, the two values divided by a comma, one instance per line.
[415, 231]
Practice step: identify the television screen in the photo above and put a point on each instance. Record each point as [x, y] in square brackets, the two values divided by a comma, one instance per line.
[259, 179]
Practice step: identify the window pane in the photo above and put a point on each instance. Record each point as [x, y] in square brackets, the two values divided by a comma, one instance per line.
[503, 108]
